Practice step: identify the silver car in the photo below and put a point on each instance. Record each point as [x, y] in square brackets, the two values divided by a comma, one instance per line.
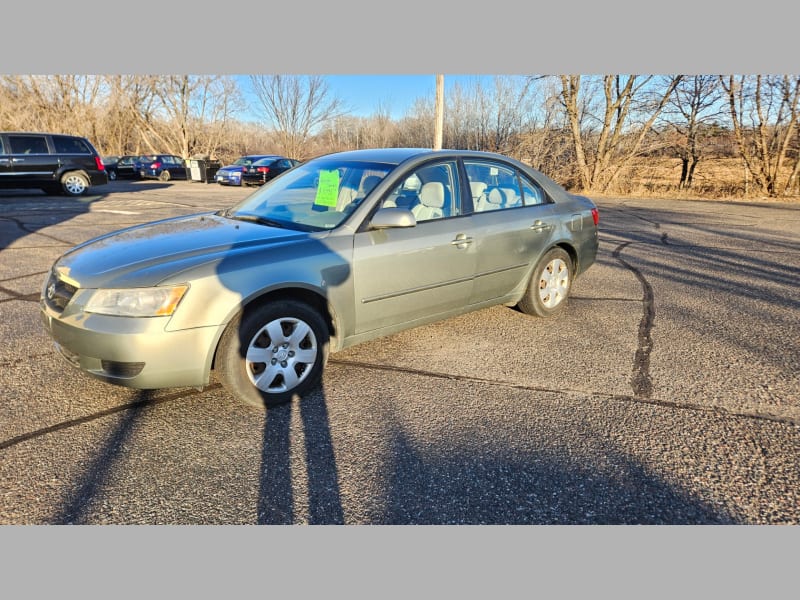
[342, 249]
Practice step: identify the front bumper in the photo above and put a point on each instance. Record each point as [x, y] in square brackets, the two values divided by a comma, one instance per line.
[229, 178]
[133, 352]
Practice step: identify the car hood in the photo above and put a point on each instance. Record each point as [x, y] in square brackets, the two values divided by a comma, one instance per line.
[231, 168]
[149, 254]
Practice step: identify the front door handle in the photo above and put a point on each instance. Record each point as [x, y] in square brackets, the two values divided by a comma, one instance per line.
[461, 241]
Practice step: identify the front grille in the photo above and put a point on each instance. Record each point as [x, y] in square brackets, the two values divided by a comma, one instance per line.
[57, 293]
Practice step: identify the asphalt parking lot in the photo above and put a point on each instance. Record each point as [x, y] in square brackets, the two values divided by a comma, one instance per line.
[666, 393]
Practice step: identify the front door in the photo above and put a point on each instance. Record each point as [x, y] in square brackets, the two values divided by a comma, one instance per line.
[409, 274]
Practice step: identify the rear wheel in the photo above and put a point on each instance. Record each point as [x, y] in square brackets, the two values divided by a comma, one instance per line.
[74, 183]
[273, 353]
[549, 286]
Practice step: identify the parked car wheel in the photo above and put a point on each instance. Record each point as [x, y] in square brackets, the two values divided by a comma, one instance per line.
[112, 175]
[74, 183]
[549, 286]
[165, 176]
[273, 353]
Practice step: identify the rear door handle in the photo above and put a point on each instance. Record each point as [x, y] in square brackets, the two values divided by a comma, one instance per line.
[540, 226]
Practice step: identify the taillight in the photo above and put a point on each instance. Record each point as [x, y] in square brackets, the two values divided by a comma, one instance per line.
[263, 169]
[595, 216]
[155, 165]
[99, 163]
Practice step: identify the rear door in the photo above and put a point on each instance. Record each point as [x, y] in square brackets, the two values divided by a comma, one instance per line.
[514, 223]
[31, 160]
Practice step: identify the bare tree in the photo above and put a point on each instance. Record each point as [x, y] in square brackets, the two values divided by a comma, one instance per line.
[185, 114]
[764, 111]
[544, 141]
[58, 103]
[607, 137]
[695, 103]
[297, 106]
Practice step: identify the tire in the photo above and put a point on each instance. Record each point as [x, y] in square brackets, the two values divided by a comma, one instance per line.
[549, 286]
[290, 337]
[165, 176]
[112, 175]
[74, 183]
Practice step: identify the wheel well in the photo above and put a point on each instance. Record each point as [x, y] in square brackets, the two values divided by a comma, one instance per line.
[573, 255]
[66, 172]
[313, 299]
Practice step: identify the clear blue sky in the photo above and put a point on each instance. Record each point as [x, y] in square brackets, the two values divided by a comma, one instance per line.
[362, 94]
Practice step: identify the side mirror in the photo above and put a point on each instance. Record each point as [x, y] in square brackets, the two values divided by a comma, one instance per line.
[387, 218]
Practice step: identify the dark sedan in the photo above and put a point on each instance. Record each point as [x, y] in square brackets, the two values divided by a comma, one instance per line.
[163, 167]
[342, 249]
[124, 167]
[232, 174]
[265, 169]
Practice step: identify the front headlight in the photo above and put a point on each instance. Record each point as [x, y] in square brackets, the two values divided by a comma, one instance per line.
[137, 302]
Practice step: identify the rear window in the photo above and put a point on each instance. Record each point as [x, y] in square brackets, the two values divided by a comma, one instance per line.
[28, 144]
[70, 145]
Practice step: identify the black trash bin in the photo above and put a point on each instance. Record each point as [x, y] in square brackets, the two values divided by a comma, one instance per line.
[212, 166]
[202, 169]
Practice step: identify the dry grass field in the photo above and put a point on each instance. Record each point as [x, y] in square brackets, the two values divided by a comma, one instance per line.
[714, 179]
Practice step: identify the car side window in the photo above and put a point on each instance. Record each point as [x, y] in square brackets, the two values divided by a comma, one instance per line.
[69, 145]
[532, 193]
[493, 186]
[28, 144]
[430, 192]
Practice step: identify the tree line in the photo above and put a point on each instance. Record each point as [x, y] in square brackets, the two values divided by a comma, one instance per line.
[586, 131]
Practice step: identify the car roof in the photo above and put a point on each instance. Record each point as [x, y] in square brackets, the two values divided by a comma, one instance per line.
[395, 156]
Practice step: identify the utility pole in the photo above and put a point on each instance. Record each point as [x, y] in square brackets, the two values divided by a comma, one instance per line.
[439, 126]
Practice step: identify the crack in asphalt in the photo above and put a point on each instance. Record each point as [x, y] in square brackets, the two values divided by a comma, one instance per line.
[103, 413]
[30, 231]
[561, 391]
[641, 381]
[14, 295]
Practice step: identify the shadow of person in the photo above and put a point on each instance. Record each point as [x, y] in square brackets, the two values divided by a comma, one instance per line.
[272, 357]
[276, 500]
[76, 508]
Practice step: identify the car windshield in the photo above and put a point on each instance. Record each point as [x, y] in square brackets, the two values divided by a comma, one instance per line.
[316, 196]
[244, 161]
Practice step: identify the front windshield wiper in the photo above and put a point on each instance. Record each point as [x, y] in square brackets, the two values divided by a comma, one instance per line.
[257, 219]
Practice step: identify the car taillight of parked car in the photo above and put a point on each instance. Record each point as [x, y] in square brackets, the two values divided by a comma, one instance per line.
[263, 169]
[155, 165]
[99, 163]
[595, 216]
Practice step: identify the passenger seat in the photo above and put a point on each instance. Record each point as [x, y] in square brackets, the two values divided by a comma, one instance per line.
[432, 202]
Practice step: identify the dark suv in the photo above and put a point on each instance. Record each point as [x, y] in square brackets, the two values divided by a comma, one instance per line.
[51, 162]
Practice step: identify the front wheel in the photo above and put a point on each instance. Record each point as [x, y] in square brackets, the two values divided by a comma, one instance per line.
[549, 286]
[74, 183]
[165, 176]
[273, 353]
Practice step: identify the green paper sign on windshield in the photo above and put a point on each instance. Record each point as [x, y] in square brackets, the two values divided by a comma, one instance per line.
[327, 188]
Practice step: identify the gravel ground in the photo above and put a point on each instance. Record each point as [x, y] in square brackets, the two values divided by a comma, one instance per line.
[666, 393]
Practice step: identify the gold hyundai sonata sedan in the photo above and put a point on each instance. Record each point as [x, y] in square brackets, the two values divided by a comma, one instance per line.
[341, 249]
